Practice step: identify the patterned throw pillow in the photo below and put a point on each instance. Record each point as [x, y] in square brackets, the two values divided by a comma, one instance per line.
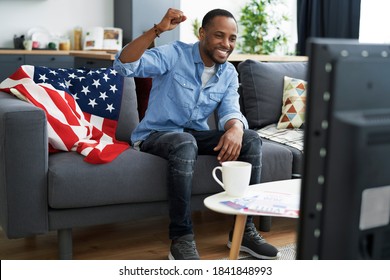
[294, 103]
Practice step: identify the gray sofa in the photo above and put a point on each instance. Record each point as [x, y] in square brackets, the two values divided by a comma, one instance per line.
[42, 192]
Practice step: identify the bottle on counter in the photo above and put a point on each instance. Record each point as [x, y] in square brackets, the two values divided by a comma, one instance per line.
[77, 34]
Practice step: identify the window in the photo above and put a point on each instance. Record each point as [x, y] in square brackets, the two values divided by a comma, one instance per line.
[374, 21]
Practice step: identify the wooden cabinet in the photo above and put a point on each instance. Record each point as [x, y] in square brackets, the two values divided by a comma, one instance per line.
[52, 61]
[10, 62]
[92, 63]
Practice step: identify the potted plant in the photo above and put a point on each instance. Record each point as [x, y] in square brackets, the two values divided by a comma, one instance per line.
[195, 27]
[261, 21]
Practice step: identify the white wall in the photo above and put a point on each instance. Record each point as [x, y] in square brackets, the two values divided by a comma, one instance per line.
[198, 10]
[148, 12]
[57, 16]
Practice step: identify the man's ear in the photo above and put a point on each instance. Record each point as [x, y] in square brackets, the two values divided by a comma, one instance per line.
[201, 33]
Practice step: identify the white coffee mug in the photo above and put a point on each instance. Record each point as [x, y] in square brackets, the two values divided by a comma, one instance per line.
[28, 45]
[235, 176]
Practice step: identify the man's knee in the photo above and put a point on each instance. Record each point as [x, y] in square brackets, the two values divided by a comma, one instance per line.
[183, 155]
[184, 148]
[252, 142]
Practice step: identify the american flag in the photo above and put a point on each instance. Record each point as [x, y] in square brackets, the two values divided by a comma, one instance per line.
[81, 106]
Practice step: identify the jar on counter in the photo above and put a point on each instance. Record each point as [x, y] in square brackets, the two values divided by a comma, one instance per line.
[64, 44]
[77, 34]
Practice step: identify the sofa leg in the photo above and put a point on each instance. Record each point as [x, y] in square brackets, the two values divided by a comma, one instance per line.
[265, 223]
[65, 246]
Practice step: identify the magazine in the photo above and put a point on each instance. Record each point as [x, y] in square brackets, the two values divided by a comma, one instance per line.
[267, 203]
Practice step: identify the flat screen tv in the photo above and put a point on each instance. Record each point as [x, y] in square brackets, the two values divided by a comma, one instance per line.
[345, 194]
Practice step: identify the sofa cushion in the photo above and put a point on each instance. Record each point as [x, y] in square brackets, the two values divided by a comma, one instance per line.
[291, 139]
[294, 103]
[277, 161]
[133, 177]
[128, 115]
[262, 88]
[72, 183]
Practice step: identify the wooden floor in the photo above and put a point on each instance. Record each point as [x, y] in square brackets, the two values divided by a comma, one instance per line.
[143, 240]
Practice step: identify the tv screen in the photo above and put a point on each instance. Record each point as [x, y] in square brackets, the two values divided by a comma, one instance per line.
[345, 194]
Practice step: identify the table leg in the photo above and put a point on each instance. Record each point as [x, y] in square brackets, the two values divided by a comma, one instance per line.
[238, 233]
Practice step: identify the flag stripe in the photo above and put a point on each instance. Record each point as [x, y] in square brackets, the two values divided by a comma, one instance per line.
[54, 115]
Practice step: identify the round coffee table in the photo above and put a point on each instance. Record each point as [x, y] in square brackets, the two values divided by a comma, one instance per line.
[216, 203]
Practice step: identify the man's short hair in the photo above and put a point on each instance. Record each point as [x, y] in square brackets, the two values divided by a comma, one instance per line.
[214, 13]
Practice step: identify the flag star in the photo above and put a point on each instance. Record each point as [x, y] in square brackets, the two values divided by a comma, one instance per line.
[113, 88]
[90, 72]
[103, 95]
[68, 83]
[97, 71]
[85, 90]
[105, 77]
[53, 72]
[75, 96]
[72, 76]
[110, 107]
[92, 102]
[81, 78]
[96, 83]
[43, 77]
[62, 85]
[113, 72]
[80, 70]
[62, 69]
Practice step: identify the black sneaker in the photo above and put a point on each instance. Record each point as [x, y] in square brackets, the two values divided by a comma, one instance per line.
[254, 244]
[184, 248]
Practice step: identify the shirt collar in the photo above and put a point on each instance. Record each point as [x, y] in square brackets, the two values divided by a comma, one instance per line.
[198, 59]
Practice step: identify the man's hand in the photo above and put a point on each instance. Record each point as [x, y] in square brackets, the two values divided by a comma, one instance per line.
[171, 19]
[229, 146]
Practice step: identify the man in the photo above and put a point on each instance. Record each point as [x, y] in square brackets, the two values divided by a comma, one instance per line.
[190, 81]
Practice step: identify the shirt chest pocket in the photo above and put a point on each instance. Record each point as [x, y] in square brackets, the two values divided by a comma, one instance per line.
[215, 96]
[182, 92]
[215, 93]
[211, 101]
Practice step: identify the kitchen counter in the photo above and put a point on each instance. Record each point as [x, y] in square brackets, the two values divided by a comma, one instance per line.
[110, 55]
[40, 52]
[106, 55]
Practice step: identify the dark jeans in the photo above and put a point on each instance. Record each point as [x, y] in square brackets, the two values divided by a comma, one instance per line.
[181, 151]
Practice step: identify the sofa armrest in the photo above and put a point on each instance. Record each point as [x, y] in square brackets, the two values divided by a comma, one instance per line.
[23, 168]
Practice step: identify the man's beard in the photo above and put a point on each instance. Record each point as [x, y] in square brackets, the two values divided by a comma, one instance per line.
[213, 55]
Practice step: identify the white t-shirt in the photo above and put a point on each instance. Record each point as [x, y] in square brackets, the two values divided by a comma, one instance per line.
[207, 74]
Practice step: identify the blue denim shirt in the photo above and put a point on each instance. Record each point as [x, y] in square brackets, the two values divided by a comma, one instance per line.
[177, 99]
